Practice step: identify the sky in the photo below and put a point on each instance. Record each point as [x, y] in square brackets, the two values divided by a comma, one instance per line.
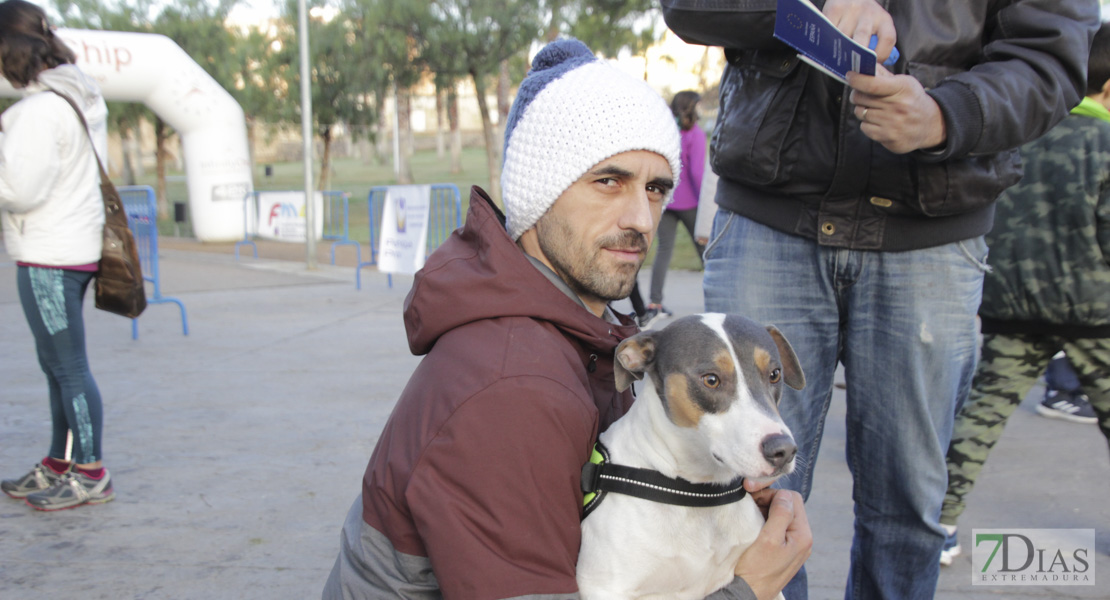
[251, 12]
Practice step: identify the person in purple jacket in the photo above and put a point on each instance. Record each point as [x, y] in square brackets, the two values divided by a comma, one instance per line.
[684, 207]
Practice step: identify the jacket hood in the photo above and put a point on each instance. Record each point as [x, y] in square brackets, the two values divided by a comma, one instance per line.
[71, 81]
[480, 273]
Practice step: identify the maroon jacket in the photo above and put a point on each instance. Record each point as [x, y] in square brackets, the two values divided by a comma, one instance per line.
[478, 467]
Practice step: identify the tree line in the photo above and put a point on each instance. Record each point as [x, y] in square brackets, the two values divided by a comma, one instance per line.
[361, 53]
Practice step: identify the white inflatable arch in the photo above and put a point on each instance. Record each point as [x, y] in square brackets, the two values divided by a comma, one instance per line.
[152, 69]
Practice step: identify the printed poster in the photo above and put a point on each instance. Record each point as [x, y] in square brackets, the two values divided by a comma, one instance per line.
[404, 230]
[282, 216]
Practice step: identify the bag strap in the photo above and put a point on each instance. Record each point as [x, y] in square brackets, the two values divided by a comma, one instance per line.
[80, 115]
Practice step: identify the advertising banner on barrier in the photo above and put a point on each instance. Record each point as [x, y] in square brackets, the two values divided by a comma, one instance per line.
[281, 216]
[404, 233]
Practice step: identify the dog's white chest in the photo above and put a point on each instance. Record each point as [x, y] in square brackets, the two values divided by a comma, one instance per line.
[633, 548]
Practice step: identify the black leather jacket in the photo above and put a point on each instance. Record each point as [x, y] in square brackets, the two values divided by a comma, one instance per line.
[789, 150]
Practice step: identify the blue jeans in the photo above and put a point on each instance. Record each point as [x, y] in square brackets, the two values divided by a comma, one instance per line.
[52, 302]
[1060, 376]
[903, 325]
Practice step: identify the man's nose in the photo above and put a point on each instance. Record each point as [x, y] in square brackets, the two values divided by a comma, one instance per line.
[638, 213]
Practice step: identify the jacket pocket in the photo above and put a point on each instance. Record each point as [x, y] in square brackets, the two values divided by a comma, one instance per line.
[953, 187]
[761, 95]
[941, 189]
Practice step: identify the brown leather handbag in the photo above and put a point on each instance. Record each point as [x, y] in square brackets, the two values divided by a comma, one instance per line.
[119, 279]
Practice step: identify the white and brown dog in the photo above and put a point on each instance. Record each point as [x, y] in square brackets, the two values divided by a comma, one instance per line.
[706, 418]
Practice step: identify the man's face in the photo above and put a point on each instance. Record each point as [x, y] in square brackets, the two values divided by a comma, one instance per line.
[597, 233]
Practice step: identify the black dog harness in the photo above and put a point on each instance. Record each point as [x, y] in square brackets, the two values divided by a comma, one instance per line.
[600, 476]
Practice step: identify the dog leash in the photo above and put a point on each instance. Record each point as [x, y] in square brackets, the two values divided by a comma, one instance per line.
[600, 476]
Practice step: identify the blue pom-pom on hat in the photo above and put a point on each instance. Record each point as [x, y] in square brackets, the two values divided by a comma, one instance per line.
[571, 112]
[559, 52]
[552, 62]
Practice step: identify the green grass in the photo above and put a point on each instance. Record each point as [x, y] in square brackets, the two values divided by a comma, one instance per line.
[357, 176]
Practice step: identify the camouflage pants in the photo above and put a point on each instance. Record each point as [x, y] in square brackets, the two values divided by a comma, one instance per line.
[1008, 368]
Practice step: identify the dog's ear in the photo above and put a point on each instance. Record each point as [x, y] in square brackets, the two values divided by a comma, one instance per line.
[632, 358]
[792, 373]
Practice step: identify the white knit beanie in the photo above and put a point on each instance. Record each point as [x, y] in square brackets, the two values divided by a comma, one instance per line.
[573, 111]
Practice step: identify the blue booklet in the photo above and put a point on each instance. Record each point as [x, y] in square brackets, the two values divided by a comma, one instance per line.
[802, 26]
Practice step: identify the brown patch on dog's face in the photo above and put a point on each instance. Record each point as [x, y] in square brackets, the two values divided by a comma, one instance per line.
[762, 359]
[684, 410]
[723, 360]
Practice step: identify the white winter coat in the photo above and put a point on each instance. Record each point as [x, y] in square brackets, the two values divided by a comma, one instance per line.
[50, 202]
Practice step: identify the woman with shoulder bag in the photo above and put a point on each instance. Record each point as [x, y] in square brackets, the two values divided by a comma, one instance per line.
[53, 220]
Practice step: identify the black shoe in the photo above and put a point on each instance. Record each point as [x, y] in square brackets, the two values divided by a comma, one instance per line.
[1067, 406]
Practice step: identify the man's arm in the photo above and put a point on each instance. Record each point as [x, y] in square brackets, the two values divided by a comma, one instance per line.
[743, 24]
[750, 24]
[496, 496]
[1032, 72]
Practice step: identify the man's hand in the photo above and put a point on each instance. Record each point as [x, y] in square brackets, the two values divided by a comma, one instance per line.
[860, 19]
[761, 493]
[895, 111]
[783, 545]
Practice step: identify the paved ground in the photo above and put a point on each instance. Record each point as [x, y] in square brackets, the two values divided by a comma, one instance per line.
[237, 450]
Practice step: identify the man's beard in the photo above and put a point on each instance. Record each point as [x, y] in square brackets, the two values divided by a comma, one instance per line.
[585, 270]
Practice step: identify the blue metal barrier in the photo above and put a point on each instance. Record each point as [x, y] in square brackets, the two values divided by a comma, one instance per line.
[142, 217]
[337, 223]
[444, 217]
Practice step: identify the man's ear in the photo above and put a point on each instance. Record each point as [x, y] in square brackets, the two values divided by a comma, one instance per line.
[792, 374]
[1103, 96]
[633, 356]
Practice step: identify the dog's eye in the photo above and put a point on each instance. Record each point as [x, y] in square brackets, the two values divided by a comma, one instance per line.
[776, 375]
[711, 380]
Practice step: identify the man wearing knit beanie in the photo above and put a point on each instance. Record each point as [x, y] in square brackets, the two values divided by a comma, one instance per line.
[572, 113]
[473, 489]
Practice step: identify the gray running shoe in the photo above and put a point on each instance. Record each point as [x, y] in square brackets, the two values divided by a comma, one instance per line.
[38, 479]
[74, 489]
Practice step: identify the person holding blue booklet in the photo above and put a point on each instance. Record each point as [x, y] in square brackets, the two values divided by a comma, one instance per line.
[852, 216]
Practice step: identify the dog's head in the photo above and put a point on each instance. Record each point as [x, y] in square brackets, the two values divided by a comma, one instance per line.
[721, 375]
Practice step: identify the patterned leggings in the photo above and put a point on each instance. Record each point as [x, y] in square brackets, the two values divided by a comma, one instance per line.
[52, 301]
[1008, 369]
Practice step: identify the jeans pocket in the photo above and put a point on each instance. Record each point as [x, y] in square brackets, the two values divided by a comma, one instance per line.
[975, 251]
[721, 223]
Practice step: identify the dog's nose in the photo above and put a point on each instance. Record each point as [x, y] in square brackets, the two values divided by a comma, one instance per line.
[779, 449]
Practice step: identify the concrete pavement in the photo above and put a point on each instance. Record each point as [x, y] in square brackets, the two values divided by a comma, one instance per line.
[237, 450]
